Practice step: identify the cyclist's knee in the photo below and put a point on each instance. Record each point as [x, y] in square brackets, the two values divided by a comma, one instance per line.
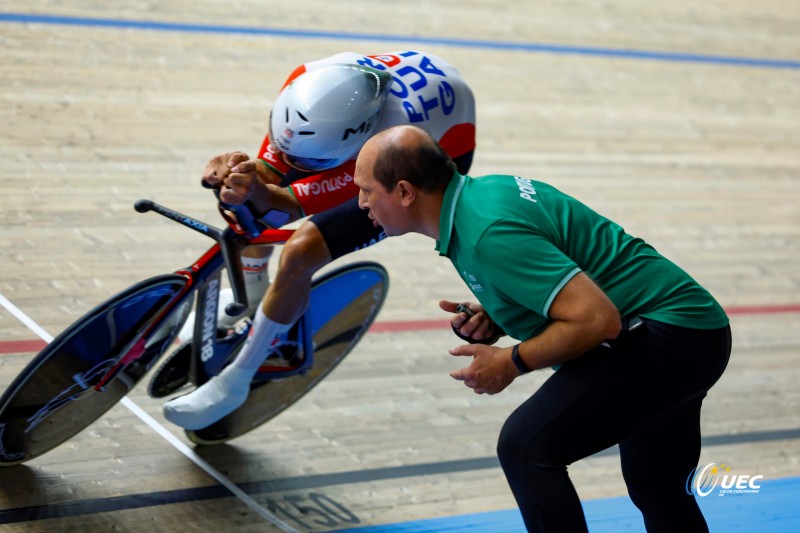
[305, 252]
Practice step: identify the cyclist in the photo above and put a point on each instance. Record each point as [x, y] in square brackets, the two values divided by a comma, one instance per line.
[324, 113]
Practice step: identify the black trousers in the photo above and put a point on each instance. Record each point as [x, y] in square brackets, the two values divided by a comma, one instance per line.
[643, 393]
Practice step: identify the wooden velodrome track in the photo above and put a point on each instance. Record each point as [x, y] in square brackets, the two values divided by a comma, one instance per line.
[680, 120]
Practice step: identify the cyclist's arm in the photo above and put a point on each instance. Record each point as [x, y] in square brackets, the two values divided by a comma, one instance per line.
[314, 192]
[246, 185]
[268, 197]
[324, 190]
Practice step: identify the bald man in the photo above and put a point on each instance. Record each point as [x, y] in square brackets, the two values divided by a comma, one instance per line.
[602, 307]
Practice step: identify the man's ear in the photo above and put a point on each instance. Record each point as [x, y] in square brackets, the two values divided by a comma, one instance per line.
[408, 193]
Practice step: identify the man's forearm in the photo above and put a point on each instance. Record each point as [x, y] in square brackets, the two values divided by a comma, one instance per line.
[563, 341]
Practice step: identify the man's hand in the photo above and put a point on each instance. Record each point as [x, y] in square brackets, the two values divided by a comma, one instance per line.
[491, 370]
[478, 327]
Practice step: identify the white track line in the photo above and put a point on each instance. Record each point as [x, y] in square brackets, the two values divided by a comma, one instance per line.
[25, 319]
[161, 430]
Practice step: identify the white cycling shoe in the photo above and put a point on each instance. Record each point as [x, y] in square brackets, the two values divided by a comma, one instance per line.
[214, 400]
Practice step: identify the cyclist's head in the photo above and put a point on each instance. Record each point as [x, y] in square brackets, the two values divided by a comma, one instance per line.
[323, 117]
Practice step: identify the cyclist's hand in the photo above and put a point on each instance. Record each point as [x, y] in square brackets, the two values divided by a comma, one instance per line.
[243, 184]
[219, 167]
[472, 326]
[491, 369]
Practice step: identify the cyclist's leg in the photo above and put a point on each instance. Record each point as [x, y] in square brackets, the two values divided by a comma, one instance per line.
[317, 242]
[302, 256]
[320, 240]
[255, 262]
[323, 238]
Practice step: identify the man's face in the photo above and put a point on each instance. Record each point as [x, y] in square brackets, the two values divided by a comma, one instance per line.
[384, 206]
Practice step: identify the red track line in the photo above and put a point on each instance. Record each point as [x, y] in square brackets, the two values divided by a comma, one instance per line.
[25, 346]
[762, 309]
[396, 326]
[399, 326]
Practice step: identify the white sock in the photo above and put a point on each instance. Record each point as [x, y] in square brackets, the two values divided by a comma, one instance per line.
[256, 283]
[262, 333]
[256, 279]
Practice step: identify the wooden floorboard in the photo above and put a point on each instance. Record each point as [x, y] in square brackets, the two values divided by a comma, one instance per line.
[691, 148]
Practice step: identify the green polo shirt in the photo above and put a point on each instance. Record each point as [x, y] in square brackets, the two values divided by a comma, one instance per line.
[516, 242]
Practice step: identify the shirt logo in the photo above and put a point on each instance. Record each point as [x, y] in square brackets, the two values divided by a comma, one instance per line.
[328, 185]
[472, 281]
[526, 189]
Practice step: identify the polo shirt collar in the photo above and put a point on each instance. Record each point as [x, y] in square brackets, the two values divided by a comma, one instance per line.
[448, 214]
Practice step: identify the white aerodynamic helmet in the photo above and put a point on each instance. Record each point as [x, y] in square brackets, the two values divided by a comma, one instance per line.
[324, 116]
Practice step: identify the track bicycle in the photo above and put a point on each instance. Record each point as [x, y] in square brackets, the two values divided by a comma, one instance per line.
[97, 360]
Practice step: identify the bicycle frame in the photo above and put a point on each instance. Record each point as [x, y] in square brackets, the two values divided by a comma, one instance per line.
[203, 277]
[209, 355]
[99, 358]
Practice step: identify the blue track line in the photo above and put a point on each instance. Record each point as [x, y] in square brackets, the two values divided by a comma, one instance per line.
[774, 510]
[675, 57]
[787, 489]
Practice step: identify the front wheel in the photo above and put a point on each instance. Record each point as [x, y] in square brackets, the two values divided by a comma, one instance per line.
[58, 394]
[342, 307]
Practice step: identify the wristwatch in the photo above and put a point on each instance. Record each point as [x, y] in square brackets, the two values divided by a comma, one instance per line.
[517, 360]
